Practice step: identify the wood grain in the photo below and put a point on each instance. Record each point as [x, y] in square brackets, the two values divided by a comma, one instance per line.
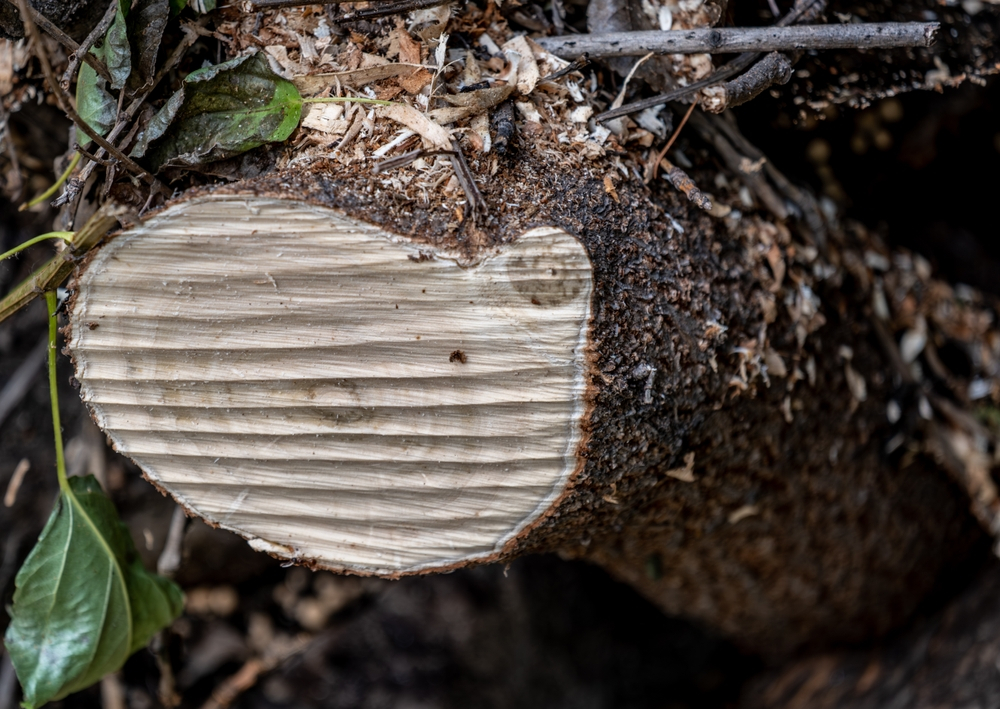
[332, 392]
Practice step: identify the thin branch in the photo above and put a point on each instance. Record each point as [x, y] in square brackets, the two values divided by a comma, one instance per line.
[802, 10]
[22, 379]
[89, 41]
[467, 181]
[8, 139]
[382, 9]
[68, 42]
[256, 5]
[728, 40]
[723, 73]
[707, 127]
[190, 37]
[774, 68]
[651, 170]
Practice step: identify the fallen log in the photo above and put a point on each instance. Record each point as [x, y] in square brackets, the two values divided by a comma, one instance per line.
[605, 373]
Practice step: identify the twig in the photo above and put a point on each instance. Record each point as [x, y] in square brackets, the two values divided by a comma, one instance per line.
[651, 172]
[89, 41]
[167, 565]
[170, 557]
[404, 159]
[68, 42]
[803, 9]
[813, 220]
[577, 64]
[726, 71]
[468, 182]
[256, 5]
[727, 40]
[736, 162]
[246, 677]
[15, 165]
[680, 179]
[382, 10]
[8, 681]
[112, 692]
[190, 37]
[21, 380]
[775, 68]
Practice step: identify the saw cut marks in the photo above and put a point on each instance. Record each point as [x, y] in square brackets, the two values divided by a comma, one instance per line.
[332, 392]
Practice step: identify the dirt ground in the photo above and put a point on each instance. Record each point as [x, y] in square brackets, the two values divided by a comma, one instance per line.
[544, 632]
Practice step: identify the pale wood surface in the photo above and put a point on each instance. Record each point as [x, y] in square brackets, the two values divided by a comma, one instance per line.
[290, 374]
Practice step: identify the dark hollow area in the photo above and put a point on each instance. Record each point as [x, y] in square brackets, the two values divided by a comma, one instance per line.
[923, 168]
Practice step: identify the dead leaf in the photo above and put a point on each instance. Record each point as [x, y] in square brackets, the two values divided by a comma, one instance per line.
[413, 83]
[409, 49]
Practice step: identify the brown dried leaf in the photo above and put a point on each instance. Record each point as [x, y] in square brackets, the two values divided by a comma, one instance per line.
[413, 83]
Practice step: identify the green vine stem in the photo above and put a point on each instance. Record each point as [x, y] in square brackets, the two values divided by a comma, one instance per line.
[347, 99]
[58, 183]
[52, 301]
[64, 235]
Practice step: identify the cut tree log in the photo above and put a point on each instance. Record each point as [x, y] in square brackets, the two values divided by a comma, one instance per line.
[726, 413]
[362, 402]
[600, 371]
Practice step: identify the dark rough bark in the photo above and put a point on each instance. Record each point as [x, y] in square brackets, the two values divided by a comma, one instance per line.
[949, 659]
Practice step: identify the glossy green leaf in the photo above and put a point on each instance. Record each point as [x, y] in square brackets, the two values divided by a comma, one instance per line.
[93, 102]
[83, 602]
[221, 111]
[146, 23]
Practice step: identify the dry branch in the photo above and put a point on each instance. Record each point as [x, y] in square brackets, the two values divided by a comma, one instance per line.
[724, 40]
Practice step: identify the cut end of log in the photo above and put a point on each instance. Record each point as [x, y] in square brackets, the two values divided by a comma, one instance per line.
[335, 393]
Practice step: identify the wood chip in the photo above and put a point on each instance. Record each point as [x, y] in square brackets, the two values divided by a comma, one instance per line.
[686, 473]
[419, 123]
[527, 68]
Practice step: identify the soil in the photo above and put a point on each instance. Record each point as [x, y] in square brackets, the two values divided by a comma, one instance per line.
[542, 632]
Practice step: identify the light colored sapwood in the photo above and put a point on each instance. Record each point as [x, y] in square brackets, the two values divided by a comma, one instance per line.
[333, 392]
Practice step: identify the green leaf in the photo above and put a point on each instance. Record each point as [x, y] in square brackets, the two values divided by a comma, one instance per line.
[221, 111]
[93, 102]
[146, 23]
[83, 602]
[115, 52]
